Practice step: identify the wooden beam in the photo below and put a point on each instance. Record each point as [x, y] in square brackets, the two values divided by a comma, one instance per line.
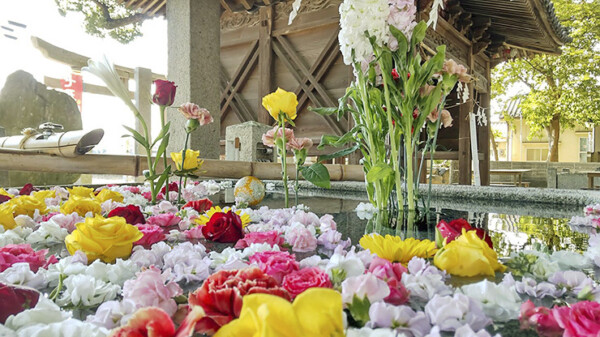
[241, 80]
[238, 104]
[147, 8]
[265, 62]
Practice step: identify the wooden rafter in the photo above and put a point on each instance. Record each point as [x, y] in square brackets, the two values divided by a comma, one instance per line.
[239, 78]
[238, 104]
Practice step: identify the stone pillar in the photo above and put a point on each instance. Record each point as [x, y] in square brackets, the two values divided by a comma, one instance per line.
[243, 142]
[3, 174]
[194, 65]
[143, 101]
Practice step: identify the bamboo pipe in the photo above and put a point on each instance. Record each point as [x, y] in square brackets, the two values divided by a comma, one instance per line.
[16, 160]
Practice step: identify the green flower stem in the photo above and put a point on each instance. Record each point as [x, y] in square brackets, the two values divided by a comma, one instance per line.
[432, 151]
[282, 154]
[185, 146]
[296, 187]
[410, 193]
[393, 140]
[162, 124]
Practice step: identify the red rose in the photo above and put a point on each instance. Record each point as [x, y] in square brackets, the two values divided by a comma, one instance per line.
[298, 281]
[131, 213]
[200, 206]
[165, 93]
[16, 299]
[4, 198]
[221, 295]
[450, 231]
[27, 189]
[223, 227]
[173, 187]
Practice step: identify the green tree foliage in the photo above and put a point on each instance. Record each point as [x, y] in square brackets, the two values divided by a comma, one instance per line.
[564, 90]
[106, 17]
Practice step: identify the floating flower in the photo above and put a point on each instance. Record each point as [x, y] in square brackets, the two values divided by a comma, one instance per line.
[221, 295]
[301, 238]
[281, 102]
[299, 281]
[394, 249]
[101, 238]
[106, 194]
[201, 205]
[317, 313]
[152, 234]
[276, 264]
[16, 299]
[499, 302]
[27, 205]
[452, 312]
[131, 214]
[81, 206]
[151, 288]
[540, 319]
[7, 220]
[453, 229]
[468, 255]
[270, 237]
[191, 159]
[203, 219]
[11, 254]
[155, 322]
[164, 220]
[81, 191]
[224, 227]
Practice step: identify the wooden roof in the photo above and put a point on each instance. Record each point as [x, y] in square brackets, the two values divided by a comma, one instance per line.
[530, 25]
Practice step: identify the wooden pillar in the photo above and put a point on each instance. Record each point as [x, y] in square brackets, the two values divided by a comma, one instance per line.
[194, 44]
[143, 100]
[265, 61]
[464, 138]
[485, 132]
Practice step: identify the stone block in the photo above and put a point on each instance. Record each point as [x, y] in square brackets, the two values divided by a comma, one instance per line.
[243, 142]
[572, 181]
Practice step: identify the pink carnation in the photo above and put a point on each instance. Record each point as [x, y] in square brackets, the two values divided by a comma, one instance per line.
[194, 233]
[193, 111]
[11, 254]
[271, 237]
[164, 220]
[301, 239]
[275, 264]
[132, 189]
[152, 234]
[298, 281]
[269, 137]
[580, 319]
[151, 289]
[540, 319]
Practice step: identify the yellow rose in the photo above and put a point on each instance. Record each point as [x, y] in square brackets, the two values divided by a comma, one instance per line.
[3, 192]
[102, 238]
[107, 194]
[394, 249]
[468, 256]
[43, 195]
[80, 206]
[317, 312]
[6, 216]
[191, 159]
[26, 205]
[80, 191]
[281, 102]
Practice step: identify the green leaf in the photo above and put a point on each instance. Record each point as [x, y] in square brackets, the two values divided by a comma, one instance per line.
[163, 177]
[338, 154]
[317, 174]
[379, 172]
[338, 141]
[162, 133]
[402, 41]
[418, 34]
[161, 149]
[324, 111]
[439, 239]
[138, 137]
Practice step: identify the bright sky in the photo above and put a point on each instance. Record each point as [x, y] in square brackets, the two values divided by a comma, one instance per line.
[44, 21]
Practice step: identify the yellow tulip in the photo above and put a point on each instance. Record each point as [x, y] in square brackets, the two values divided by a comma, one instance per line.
[26, 205]
[191, 159]
[317, 312]
[80, 191]
[103, 238]
[80, 206]
[107, 194]
[394, 249]
[6, 216]
[281, 102]
[468, 256]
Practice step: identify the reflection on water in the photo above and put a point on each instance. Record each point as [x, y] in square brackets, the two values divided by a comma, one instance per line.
[512, 226]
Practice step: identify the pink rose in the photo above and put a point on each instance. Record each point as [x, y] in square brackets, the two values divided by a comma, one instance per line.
[392, 274]
[301, 239]
[164, 220]
[194, 233]
[271, 237]
[299, 143]
[580, 319]
[151, 289]
[298, 281]
[193, 111]
[540, 319]
[275, 264]
[11, 254]
[152, 235]
[269, 137]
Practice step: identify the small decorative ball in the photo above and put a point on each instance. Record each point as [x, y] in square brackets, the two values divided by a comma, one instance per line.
[250, 190]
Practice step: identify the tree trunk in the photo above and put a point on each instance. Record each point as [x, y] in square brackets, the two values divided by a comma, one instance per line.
[553, 137]
[494, 146]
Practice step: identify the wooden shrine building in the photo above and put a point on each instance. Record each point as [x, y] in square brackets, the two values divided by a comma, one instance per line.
[259, 52]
